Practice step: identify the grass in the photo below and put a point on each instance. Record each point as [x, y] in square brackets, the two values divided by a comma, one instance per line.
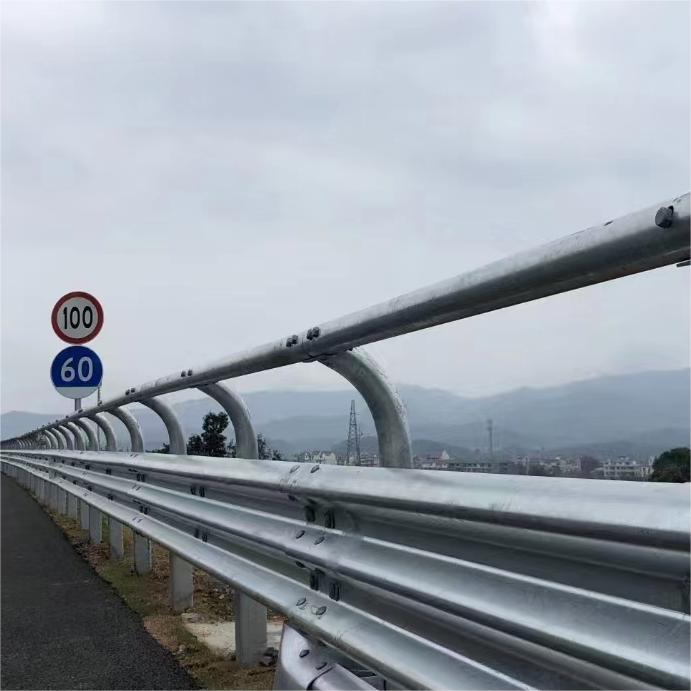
[147, 595]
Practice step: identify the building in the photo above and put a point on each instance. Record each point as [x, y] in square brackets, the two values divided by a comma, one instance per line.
[326, 457]
[432, 461]
[624, 468]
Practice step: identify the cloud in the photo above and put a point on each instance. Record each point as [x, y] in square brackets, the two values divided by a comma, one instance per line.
[220, 174]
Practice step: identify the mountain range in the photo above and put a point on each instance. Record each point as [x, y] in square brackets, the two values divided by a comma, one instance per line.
[633, 414]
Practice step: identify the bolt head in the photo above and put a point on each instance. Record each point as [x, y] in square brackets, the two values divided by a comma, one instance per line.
[304, 652]
[299, 534]
[301, 601]
[664, 216]
[320, 610]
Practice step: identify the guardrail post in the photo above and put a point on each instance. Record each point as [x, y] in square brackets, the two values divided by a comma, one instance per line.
[62, 501]
[136, 440]
[117, 549]
[386, 406]
[181, 572]
[142, 554]
[83, 514]
[72, 506]
[95, 527]
[250, 615]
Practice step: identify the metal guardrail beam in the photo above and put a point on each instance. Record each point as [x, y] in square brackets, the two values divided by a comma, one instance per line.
[460, 581]
[640, 241]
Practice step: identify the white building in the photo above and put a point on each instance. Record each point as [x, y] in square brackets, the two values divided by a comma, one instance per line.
[625, 468]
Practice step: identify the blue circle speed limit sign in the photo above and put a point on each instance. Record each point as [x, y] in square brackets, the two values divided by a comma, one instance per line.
[76, 372]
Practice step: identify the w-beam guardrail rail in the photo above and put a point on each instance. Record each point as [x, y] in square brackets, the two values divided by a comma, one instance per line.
[391, 575]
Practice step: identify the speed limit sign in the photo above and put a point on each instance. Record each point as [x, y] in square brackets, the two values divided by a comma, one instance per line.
[77, 317]
[76, 372]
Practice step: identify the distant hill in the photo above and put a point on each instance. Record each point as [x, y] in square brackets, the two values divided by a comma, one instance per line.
[637, 414]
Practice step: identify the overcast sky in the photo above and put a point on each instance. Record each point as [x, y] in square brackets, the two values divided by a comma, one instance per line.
[220, 175]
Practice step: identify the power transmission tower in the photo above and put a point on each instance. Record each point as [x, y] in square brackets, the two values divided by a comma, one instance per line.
[353, 448]
[490, 434]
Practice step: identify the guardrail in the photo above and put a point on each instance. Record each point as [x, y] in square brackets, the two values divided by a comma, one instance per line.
[510, 587]
[431, 580]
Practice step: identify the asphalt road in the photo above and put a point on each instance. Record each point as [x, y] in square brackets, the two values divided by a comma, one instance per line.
[62, 626]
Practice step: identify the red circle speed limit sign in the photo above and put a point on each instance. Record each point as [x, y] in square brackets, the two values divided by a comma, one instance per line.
[77, 317]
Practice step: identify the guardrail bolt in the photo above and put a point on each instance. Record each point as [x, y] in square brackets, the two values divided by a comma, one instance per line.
[193, 489]
[664, 216]
[299, 534]
[196, 532]
[202, 492]
[320, 610]
[314, 581]
[319, 540]
[321, 665]
[329, 520]
[182, 374]
[301, 601]
[205, 537]
[304, 652]
[335, 591]
[314, 468]
[309, 514]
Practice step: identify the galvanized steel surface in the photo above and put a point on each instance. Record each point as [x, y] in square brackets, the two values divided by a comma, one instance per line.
[433, 580]
[621, 247]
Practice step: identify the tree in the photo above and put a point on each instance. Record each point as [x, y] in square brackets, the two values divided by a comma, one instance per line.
[212, 441]
[265, 451]
[588, 464]
[672, 466]
[195, 446]
[164, 449]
